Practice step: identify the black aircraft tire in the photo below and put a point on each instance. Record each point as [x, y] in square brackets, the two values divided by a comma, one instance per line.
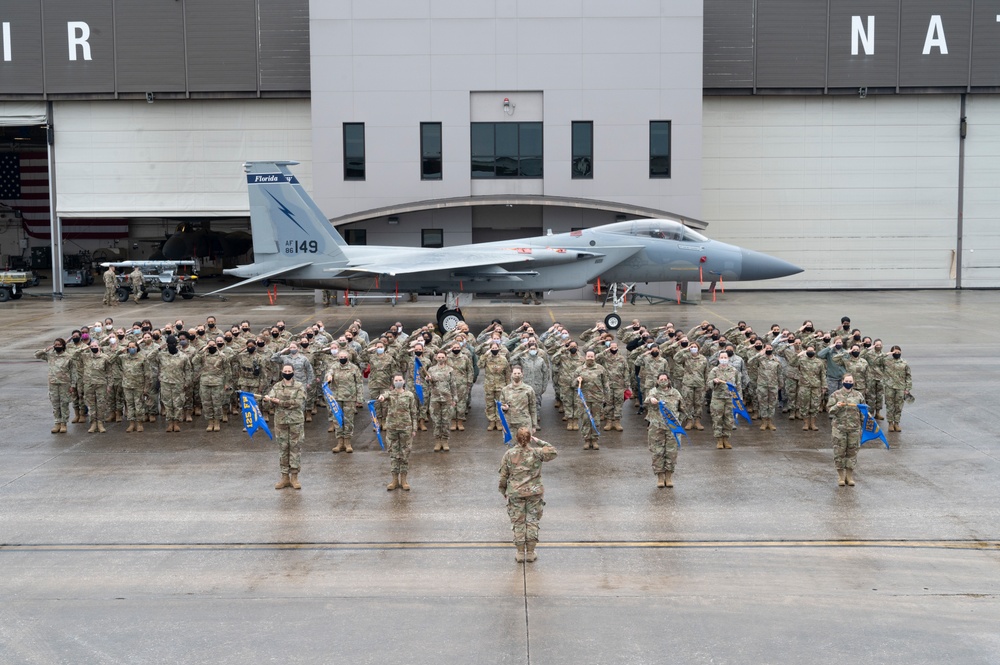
[168, 295]
[122, 293]
[16, 295]
[449, 319]
[613, 321]
[187, 295]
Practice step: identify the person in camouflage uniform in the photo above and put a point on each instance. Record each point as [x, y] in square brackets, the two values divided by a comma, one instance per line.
[96, 377]
[857, 367]
[570, 363]
[289, 399]
[135, 279]
[213, 369]
[722, 402]
[496, 369]
[872, 352]
[413, 366]
[693, 368]
[461, 364]
[440, 379]
[348, 388]
[62, 381]
[592, 380]
[249, 369]
[521, 484]
[380, 375]
[301, 365]
[517, 399]
[537, 373]
[846, 430]
[398, 427]
[110, 287]
[616, 365]
[769, 376]
[149, 350]
[135, 385]
[787, 350]
[898, 383]
[662, 443]
[175, 373]
[812, 380]
[74, 348]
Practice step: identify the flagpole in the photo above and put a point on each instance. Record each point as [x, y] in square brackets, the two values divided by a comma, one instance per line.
[55, 224]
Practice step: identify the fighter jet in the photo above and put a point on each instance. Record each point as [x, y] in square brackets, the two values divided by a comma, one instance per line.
[193, 239]
[295, 244]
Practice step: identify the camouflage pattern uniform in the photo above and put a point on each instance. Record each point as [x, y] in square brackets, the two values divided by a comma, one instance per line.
[175, 374]
[768, 372]
[289, 424]
[788, 353]
[693, 368]
[521, 483]
[595, 391]
[846, 431]
[897, 383]
[379, 378]
[110, 287]
[519, 398]
[876, 388]
[461, 363]
[213, 371]
[398, 427]
[722, 401]
[662, 443]
[62, 377]
[250, 372]
[812, 380]
[135, 278]
[348, 388]
[537, 374]
[74, 350]
[569, 369]
[96, 382]
[301, 365]
[440, 378]
[496, 369]
[616, 365]
[135, 384]
[858, 368]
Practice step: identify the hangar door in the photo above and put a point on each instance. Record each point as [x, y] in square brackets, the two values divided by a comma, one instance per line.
[491, 223]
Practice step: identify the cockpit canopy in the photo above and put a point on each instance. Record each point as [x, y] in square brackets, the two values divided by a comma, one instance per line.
[665, 229]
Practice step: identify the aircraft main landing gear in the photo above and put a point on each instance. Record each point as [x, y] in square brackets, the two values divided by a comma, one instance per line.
[449, 315]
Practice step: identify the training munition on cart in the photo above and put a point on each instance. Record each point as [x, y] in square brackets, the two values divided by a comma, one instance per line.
[157, 277]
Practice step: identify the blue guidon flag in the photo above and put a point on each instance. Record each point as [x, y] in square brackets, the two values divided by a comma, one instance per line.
[335, 409]
[739, 411]
[583, 400]
[503, 421]
[869, 428]
[672, 423]
[375, 424]
[252, 418]
[417, 388]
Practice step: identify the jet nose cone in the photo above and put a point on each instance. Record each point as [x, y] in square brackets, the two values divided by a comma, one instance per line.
[761, 266]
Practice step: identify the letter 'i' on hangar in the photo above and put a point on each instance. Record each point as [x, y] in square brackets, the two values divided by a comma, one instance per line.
[857, 139]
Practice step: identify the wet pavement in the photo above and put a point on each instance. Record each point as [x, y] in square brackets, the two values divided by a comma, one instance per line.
[175, 548]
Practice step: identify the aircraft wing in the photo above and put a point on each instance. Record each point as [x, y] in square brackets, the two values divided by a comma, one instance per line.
[469, 262]
[268, 275]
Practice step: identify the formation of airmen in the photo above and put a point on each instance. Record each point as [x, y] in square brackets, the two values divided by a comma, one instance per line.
[423, 380]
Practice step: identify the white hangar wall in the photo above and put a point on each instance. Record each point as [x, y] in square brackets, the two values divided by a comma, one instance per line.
[861, 193]
[172, 158]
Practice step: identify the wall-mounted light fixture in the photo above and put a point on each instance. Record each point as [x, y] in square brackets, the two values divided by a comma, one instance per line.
[393, 220]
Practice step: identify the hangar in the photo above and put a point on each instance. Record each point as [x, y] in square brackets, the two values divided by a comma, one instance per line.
[860, 140]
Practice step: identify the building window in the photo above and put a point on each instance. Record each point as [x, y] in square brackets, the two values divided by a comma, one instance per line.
[659, 149]
[356, 236]
[583, 150]
[430, 151]
[432, 237]
[354, 151]
[507, 150]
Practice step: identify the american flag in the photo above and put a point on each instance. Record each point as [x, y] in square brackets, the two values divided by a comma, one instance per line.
[24, 186]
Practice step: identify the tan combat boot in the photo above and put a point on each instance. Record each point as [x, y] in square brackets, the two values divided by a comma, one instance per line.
[898, 428]
[339, 447]
[719, 445]
[812, 424]
[347, 446]
[840, 477]
[763, 425]
[332, 427]
[805, 424]
[394, 484]
[529, 553]
[519, 555]
[93, 427]
[62, 428]
[55, 429]
[698, 425]
[422, 424]
[461, 425]
[138, 426]
[660, 482]
[607, 426]
[152, 417]
[218, 426]
[725, 443]
[770, 425]
[100, 427]
[293, 480]
[177, 426]
[211, 426]
[444, 445]
[595, 445]
[668, 479]
[569, 425]
[402, 482]
[437, 445]
[617, 425]
[187, 417]
[128, 430]
[283, 483]
[309, 416]
[118, 416]
[849, 477]
[688, 424]
[454, 425]
[197, 410]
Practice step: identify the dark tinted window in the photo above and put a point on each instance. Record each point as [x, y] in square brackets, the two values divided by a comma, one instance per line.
[583, 150]
[430, 151]
[354, 151]
[507, 150]
[659, 149]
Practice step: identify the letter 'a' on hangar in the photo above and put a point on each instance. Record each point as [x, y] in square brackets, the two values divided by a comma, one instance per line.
[856, 139]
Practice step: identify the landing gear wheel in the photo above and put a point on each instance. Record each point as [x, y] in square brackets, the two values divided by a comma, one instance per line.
[122, 294]
[16, 295]
[441, 310]
[449, 319]
[613, 321]
[168, 295]
[187, 295]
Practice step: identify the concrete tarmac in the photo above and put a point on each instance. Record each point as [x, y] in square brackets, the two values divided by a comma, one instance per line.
[175, 548]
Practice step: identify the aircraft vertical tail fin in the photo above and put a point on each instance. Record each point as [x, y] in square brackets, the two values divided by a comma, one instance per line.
[285, 220]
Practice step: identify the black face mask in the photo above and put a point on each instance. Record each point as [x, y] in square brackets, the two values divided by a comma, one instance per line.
[310, 336]
[178, 326]
[156, 338]
[847, 326]
[288, 376]
[251, 349]
[456, 351]
[304, 345]
[95, 350]
[212, 349]
[260, 345]
[855, 353]
[573, 350]
[857, 338]
[211, 326]
[76, 340]
[280, 328]
[228, 339]
[655, 353]
[172, 350]
[201, 333]
[810, 354]
[613, 351]
[495, 352]
[897, 356]
[768, 352]
[868, 345]
[59, 349]
[342, 361]
[684, 345]
[420, 353]
[245, 329]
[274, 335]
[758, 347]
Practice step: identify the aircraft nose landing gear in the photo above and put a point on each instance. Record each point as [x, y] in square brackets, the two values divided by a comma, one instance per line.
[449, 316]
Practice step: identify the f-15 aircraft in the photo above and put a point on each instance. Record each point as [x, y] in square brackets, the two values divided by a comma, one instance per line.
[295, 244]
